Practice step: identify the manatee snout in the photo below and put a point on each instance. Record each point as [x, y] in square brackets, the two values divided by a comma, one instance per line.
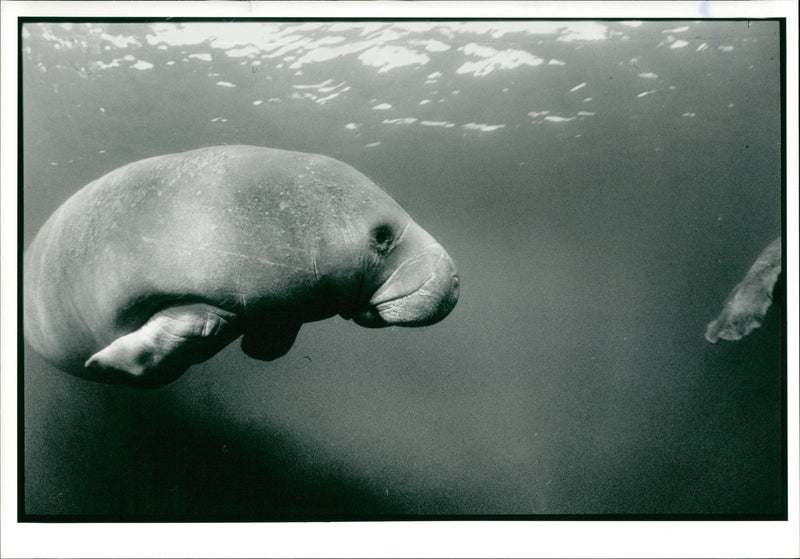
[422, 290]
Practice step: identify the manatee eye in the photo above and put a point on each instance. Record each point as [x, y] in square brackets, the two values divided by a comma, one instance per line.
[382, 237]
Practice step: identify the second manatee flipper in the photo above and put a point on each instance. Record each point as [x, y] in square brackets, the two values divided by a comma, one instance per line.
[747, 304]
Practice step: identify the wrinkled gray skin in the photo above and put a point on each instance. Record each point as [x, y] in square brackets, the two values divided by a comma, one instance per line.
[749, 301]
[161, 263]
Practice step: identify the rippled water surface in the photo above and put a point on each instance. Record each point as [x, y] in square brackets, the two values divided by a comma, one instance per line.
[601, 187]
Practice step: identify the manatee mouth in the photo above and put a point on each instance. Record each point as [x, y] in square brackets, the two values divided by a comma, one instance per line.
[421, 291]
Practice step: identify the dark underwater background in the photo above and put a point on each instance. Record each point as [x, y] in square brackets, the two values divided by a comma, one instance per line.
[601, 186]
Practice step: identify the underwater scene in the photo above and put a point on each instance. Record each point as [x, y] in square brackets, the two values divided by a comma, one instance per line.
[601, 187]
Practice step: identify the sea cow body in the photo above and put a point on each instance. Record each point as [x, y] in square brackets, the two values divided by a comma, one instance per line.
[161, 263]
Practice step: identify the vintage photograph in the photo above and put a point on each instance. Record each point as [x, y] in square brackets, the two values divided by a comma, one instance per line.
[337, 269]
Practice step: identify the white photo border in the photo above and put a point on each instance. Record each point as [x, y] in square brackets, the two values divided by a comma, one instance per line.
[645, 538]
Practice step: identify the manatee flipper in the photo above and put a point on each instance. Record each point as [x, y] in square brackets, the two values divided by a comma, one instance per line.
[748, 302]
[171, 341]
[270, 340]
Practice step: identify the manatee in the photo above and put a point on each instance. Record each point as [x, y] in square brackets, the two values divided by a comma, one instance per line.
[158, 265]
[749, 301]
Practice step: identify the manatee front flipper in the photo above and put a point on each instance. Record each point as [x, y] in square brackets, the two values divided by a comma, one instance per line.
[748, 302]
[269, 340]
[171, 341]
